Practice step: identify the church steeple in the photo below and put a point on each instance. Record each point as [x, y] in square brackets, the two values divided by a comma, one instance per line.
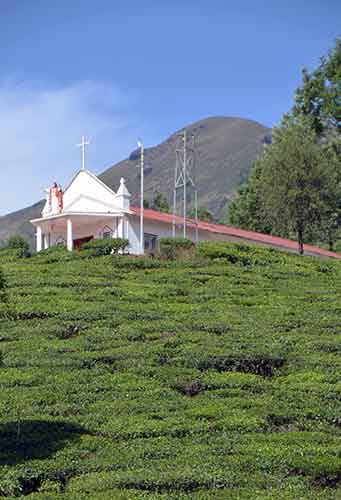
[123, 196]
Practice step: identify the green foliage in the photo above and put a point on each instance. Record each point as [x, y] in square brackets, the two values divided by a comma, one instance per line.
[131, 377]
[57, 253]
[319, 96]
[159, 203]
[3, 285]
[294, 189]
[2, 281]
[246, 211]
[203, 214]
[222, 250]
[170, 248]
[106, 246]
[10, 254]
[16, 241]
[298, 178]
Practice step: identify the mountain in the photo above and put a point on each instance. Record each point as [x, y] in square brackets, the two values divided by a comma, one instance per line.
[226, 149]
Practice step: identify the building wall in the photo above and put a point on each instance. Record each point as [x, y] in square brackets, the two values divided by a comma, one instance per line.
[129, 227]
[161, 230]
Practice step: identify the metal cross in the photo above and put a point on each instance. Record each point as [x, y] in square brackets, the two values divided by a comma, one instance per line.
[82, 145]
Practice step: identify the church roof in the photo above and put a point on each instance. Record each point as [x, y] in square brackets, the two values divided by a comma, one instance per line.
[93, 176]
[242, 234]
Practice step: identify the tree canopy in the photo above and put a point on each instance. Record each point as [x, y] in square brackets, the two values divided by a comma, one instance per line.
[159, 202]
[295, 187]
[203, 214]
[319, 96]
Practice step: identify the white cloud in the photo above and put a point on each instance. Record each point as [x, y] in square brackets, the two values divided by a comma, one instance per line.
[40, 126]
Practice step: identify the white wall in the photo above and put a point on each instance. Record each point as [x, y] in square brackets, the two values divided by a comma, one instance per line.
[161, 230]
[127, 227]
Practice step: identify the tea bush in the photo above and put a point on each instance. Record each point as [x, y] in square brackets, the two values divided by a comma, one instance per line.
[10, 254]
[16, 241]
[170, 248]
[106, 246]
[153, 379]
[3, 285]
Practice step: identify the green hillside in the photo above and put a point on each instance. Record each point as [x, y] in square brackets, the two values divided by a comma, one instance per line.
[209, 378]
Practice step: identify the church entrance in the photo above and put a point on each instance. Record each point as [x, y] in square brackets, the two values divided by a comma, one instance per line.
[78, 244]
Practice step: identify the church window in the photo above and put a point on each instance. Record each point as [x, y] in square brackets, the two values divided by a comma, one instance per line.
[107, 232]
[60, 241]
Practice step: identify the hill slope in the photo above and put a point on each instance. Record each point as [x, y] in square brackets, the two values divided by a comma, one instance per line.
[227, 147]
[156, 380]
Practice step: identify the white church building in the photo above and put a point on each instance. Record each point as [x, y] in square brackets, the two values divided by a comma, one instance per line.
[89, 209]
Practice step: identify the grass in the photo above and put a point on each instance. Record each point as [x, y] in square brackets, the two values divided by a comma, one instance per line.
[208, 378]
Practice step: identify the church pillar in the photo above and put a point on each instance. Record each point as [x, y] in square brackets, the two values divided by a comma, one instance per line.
[115, 228]
[120, 228]
[46, 240]
[69, 237]
[39, 236]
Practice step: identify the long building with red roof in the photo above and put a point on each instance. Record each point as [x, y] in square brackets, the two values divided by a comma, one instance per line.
[220, 232]
[88, 209]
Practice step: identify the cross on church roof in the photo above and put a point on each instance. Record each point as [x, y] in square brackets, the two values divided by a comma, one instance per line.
[82, 145]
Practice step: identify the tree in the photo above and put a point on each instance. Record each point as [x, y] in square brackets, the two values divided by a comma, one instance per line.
[16, 241]
[160, 202]
[203, 214]
[296, 184]
[319, 96]
[246, 211]
[332, 214]
[298, 181]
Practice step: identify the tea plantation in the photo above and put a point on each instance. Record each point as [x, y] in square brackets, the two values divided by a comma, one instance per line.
[215, 376]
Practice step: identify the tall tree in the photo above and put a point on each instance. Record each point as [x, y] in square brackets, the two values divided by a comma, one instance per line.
[203, 214]
[160, 202]
[246, 211]
[319, 96]
[332, 214]
[298, 180]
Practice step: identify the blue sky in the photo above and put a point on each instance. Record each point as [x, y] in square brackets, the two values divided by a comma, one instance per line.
[114, 70]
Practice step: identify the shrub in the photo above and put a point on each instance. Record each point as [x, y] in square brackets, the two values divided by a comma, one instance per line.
[171, 248]
[2, 286]
[56, 253]
[233, 253]
[191, 388]
[259, 366]
[69, 332]
[104, 246]
[137, 262]
[18, 241]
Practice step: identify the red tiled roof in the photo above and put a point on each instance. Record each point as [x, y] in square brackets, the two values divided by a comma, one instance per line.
[266, 239]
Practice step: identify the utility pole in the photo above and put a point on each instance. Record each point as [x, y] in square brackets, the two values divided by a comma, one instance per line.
[141, 146]
[185, 179]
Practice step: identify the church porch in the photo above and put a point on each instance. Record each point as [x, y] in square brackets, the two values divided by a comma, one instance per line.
[74, 229]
